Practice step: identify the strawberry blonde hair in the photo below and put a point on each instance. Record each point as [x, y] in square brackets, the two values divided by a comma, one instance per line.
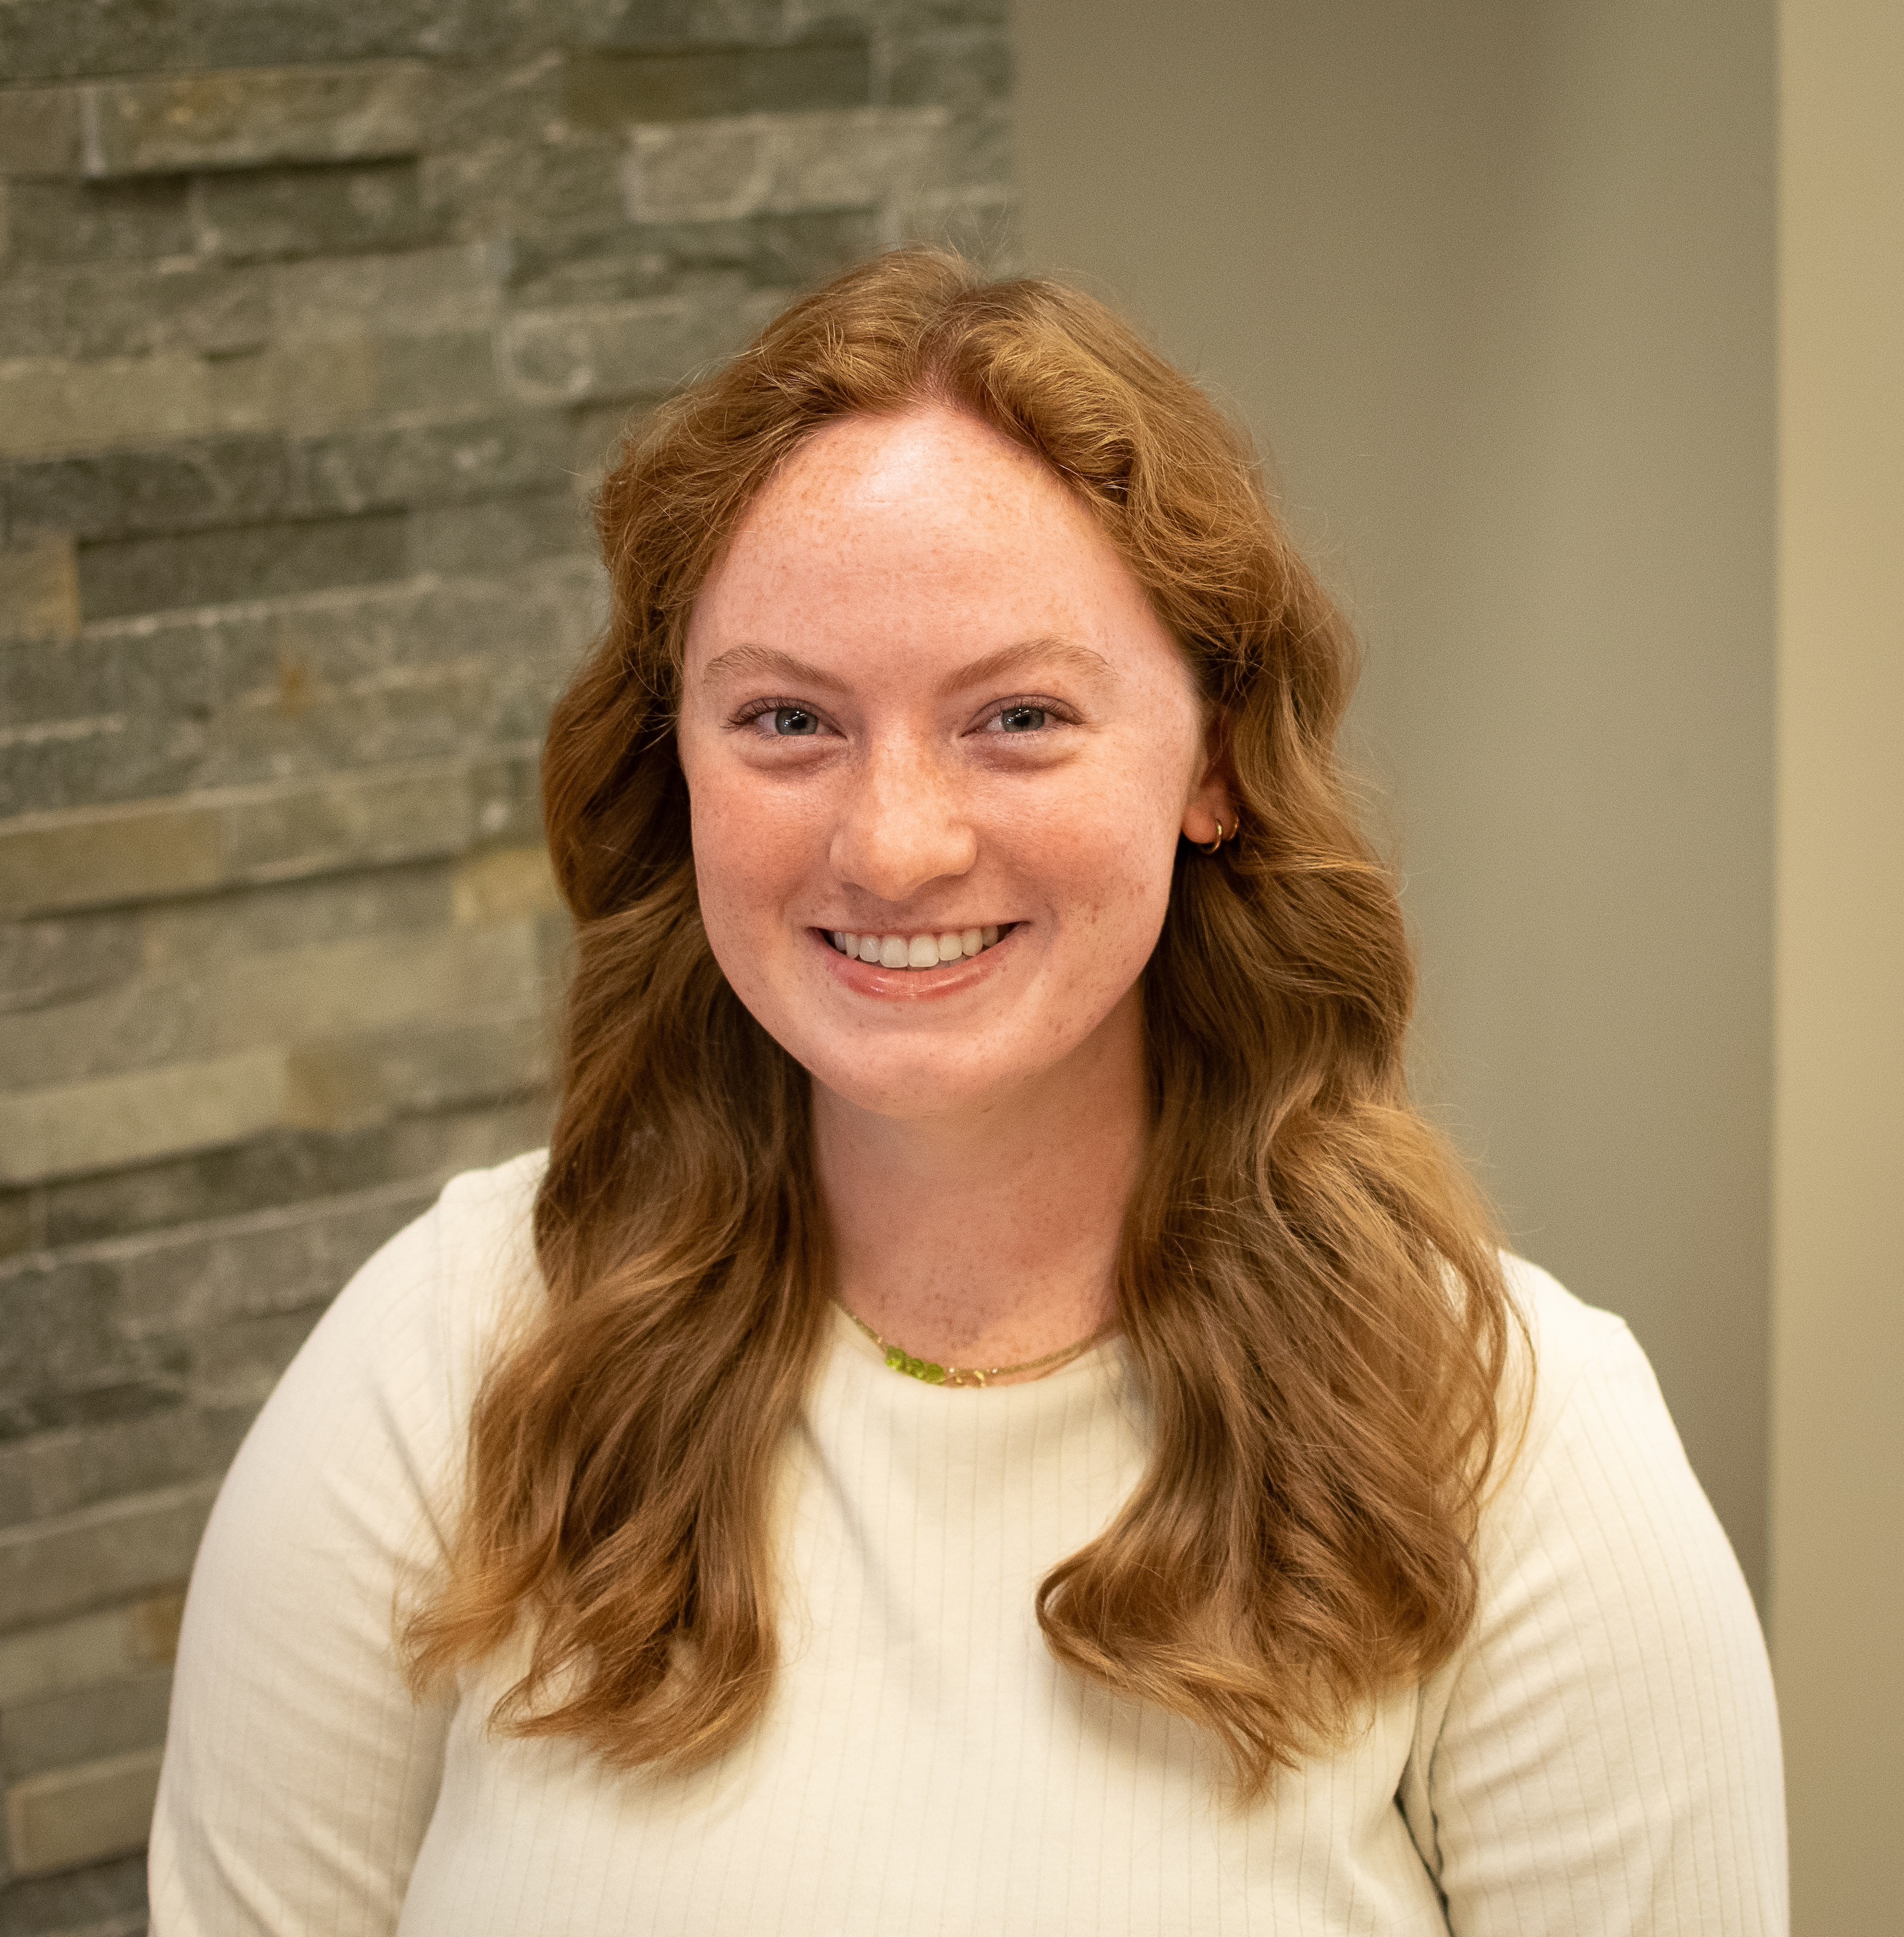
[1308, 1288]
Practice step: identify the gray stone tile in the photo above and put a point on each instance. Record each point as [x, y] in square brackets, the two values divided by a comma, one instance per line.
[609, 89]
[69, 1816]
[913, 17]
[39, 126]
[120, 576]
[369, 1077]
[666, 23]
[105, 1899]
[46, 962]
[975, 151]
[43, 39]
[243, 117]
[90, 310]
[279, 1168]
[506, 796]
[85, 1724]
[87, 762]
[21, 1221]
[72, 679]
[264, 214]
[495, 533]
[627, 261]
[39, 591]
[173, 487]
[436, 463]
[208, 482]
[88, 1069]
[979, 224]
[283, 832]
[417, 293]
[116, 1116]
[85, 222]
[341, 821]
[958, 72]
[50, 1568]
[58, 1472]
[93, 860]
[140, 1342]
[184, 1290]
[53, 405]
[195, 939]
[83, 1651]
[542, 194]
[616, 349]
[273, 690]
[851, 158]
[284, 1168]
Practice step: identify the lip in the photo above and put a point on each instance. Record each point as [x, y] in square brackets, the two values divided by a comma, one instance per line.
[912, 985]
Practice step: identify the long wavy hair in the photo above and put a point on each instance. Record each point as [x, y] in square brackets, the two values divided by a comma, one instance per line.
[1309, 1288]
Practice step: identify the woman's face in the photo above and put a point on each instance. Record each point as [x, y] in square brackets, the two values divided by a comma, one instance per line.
[925, 704]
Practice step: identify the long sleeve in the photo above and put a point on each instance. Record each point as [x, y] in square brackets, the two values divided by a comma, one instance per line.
[1602, 1756]
[300, 1774]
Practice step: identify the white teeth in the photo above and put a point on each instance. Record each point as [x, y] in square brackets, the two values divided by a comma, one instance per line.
[914, 951]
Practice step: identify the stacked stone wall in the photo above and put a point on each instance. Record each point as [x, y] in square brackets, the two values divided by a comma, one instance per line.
[315, 323]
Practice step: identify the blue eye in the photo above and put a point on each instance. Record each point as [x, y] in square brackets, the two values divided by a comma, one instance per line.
[1022, 719]
[794, 721]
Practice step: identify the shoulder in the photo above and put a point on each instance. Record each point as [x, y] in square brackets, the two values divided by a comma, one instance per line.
[1587, 1442]
[1570, 1356]
[397, 1360]
[486, 1272]
[1597, 1543]
[1573, 1374]
[486, 1205]
[454, 1275]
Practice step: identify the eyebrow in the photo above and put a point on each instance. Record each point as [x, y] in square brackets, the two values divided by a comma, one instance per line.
[757, 660]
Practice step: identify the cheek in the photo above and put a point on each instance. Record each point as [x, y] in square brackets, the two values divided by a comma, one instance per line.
[1114, 872]
[1134, 893]
[753, 849]
[1126, 842]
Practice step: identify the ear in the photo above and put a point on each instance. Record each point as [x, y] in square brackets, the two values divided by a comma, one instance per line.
[1212, 799]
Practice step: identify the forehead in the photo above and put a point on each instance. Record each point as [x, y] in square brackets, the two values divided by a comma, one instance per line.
[929, 522]
[931, 462]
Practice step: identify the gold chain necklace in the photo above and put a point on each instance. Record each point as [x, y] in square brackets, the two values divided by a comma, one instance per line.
[933, 1374]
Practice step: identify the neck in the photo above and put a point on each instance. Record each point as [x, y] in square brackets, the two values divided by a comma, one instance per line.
[988, 1235]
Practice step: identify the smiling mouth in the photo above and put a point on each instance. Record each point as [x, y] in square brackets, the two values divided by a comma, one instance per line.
[916, 951]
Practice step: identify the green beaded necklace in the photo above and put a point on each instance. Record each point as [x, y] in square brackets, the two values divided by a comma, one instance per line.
[930, 1372]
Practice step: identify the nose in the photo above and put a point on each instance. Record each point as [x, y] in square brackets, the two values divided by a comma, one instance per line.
[903, 827]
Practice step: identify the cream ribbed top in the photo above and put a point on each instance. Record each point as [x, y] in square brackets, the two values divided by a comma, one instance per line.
[1602, 1756]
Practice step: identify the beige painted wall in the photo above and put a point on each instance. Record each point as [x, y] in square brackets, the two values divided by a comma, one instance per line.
[1494, 284]
[1838, 1417]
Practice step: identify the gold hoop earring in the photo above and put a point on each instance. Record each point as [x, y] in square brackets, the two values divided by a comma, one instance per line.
[1211, 847]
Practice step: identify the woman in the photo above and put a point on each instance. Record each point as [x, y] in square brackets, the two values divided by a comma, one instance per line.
[994, 1416]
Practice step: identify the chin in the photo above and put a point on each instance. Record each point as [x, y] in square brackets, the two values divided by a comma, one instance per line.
[905, 1090]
